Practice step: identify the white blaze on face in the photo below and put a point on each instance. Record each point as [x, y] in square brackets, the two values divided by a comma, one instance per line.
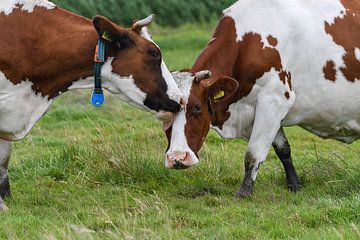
[178, 142]
[172, 89]
[8, 6]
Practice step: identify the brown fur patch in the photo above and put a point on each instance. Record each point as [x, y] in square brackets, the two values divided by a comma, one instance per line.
[344, 33]
[46, 58]
[287, 95]
[285, 77]
[254, 60]
[54, 48]
[289, 80]
[272, 41]
[330, 71]
[224, 48]
[282, 76]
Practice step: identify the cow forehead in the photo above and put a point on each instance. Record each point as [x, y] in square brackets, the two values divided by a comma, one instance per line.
[184, 80]
[7, 6]
[145, 34]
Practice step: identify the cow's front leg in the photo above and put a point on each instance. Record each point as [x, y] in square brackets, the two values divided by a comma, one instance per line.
[5, 150]
[283, 151]
[272, 105]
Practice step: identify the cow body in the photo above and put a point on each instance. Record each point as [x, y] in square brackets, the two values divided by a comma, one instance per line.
[275, 64]
[46, 51]
[327, 108]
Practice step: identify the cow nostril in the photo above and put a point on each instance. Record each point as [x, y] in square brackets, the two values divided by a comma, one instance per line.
[178, 165]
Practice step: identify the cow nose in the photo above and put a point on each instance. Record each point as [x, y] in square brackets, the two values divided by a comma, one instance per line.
[178, 160]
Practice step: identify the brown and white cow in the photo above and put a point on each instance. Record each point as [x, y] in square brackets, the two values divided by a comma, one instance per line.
[274, 63]
[46, 50]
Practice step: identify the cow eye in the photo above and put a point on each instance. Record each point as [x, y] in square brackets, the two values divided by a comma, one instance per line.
[154, 53]
[197, 109]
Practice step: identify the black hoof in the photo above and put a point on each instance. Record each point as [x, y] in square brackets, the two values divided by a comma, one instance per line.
[293, 182]
[294, 187]
[246, 189]
[5, 188]
[242, 195]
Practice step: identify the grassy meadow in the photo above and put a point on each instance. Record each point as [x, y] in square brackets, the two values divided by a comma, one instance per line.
[86, 173]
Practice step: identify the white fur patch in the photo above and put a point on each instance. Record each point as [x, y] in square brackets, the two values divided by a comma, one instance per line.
[357, 53]
[8, 6]
[20, 108]
[123, 87]
[178, 138]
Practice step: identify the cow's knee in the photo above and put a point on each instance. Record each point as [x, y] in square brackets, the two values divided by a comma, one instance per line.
[252, 165]
[283, 150]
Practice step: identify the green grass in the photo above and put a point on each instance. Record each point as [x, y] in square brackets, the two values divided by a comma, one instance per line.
[86, 173]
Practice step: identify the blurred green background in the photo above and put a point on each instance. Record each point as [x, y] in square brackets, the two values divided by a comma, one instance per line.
[168, 12]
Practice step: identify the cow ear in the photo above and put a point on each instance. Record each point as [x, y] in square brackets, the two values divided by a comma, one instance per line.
[223, 90]
[112, 33]
[105, 28]
[221, 94]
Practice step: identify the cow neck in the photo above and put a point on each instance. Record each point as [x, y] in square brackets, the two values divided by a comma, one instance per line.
[79, 69]
[221, 53]
[220, 57]
[58, 54]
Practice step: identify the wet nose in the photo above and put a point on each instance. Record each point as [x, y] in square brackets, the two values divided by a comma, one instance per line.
[178, 160]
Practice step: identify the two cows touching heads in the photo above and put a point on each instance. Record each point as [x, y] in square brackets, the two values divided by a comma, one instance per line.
[200, 95]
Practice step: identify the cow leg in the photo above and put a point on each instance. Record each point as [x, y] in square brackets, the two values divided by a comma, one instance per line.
[5, 150]
[271, 109]
[283, 151]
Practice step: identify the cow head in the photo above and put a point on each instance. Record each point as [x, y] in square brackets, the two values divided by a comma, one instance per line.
[135, 70]
[206, 99]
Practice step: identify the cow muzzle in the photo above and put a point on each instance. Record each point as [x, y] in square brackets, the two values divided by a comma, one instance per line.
[180, 160]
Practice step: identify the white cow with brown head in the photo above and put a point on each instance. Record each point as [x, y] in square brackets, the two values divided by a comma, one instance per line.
[292, 63]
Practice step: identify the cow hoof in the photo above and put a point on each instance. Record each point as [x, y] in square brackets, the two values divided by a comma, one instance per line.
[5, 189]
[294, 187]
[3, 207]
[246, 190]
[242, 195]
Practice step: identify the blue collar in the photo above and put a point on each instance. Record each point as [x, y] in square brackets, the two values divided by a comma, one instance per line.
[97, 96]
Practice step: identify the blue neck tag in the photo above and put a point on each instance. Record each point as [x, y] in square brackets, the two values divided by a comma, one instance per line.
[97, 96]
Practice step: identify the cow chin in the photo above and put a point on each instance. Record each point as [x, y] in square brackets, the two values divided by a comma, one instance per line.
[161, 103]
[180, 160]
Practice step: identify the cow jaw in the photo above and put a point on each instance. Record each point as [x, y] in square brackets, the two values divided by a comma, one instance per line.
[123, 87]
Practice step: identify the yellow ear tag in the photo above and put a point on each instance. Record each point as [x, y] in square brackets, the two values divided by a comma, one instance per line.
[219, 95]
[106, 36]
